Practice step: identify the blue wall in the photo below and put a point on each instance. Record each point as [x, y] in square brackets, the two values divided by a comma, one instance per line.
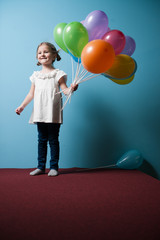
[104, 119]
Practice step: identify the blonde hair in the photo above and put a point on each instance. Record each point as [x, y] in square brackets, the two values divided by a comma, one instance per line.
[52, 49]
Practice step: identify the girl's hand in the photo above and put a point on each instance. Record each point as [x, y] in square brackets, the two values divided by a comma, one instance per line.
[67, 90]
[19, 110]
[74, 87]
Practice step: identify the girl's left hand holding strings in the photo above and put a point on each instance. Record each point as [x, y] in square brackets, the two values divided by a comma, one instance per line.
[67, 90]
[74, 87]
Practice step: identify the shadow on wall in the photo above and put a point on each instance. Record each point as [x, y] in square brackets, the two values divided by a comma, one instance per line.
[148, 169]
[99, 141]
[149, 122]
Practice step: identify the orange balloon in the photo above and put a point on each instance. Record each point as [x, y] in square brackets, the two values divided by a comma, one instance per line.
[97, 56]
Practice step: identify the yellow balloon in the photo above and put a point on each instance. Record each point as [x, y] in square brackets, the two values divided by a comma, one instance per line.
[123, 81]
[123, 67]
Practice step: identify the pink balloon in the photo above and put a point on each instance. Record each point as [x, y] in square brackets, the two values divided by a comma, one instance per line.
[117, 39]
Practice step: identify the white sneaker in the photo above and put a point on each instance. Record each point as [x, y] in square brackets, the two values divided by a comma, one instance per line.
[53, 173]
[36, 172]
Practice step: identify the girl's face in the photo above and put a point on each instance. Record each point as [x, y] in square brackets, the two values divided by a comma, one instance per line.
[44, 55]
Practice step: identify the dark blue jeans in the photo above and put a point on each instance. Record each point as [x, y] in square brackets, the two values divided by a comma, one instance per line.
[48, 132]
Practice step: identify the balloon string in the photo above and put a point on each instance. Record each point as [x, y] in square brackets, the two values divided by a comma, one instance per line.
[68, 97]
[82, 76]
[62, 91]
[72, 69]
[82, 72]
[77, 82]
[80, 80]
[89, 77]
[76, 71]
[102, 167]
[77, 77]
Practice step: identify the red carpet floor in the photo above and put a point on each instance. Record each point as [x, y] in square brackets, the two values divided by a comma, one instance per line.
[98, 204]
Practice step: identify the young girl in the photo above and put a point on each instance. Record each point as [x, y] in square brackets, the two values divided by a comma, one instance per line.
[47, 112]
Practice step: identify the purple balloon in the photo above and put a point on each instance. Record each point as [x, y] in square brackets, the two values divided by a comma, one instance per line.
[130, 46]
[96, 24]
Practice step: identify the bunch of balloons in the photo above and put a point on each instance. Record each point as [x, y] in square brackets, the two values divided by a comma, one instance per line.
[99, 49]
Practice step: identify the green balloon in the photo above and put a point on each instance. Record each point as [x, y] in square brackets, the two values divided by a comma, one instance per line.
[75, 37]
[58, 35]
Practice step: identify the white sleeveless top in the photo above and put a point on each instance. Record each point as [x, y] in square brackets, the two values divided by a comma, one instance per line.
[47, 104]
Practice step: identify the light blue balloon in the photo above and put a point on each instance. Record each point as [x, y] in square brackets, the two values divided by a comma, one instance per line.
[74, 58]
[130, 160]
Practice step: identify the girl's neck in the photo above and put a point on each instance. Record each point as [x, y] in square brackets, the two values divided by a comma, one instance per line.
[46, 69]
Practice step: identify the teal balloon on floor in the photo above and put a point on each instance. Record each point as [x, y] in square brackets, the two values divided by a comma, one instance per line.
[130, 160]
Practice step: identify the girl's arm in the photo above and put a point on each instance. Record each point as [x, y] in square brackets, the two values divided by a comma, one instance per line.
[64, 87]
[27, 100]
